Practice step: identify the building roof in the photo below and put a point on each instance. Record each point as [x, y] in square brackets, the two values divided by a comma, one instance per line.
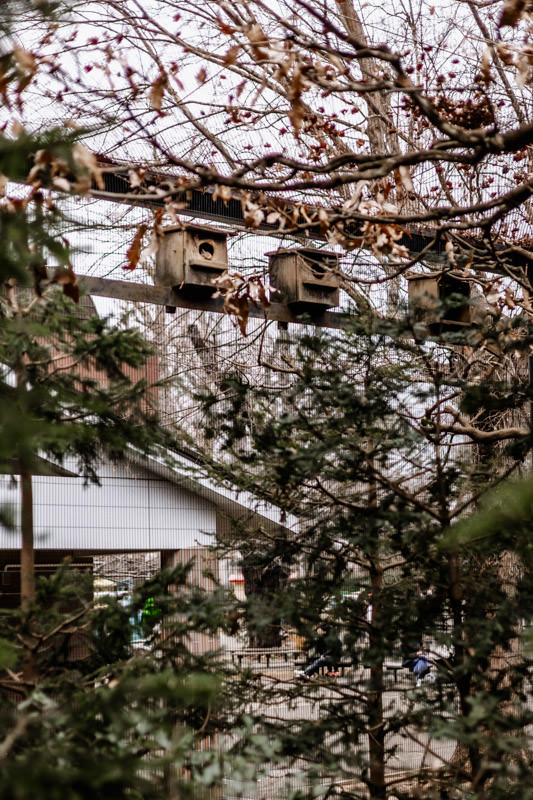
[189, 475]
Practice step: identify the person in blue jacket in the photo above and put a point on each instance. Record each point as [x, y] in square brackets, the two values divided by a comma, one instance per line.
[418, 662]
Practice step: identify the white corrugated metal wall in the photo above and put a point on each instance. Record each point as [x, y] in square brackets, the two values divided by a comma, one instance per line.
[133, 509]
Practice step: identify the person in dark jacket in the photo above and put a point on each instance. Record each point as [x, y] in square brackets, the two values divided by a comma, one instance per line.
[329, 650]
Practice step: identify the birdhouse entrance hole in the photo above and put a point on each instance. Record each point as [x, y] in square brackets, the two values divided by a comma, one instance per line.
[207, 250]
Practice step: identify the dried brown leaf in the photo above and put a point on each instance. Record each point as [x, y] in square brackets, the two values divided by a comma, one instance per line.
[222, 192]
[405, 178]
[231, 56]
[256, 37]
[25, 60]
[449, 248]
[243, 310]
[133, 252]
[255, 34]
[253, 215]
[261, 295]
[86, 159]
[510, 298]
[238, 293]
[522, 71]
[512, 12]
[27, 67]
[157, 91]
[506, 55]
[486, 61]
[136, 176]
[296, 114]
[201, 76]
[224, 27]
[68, 280]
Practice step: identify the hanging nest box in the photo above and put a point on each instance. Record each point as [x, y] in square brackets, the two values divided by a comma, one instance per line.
[306, 279]
[190, 258]
[440, 300]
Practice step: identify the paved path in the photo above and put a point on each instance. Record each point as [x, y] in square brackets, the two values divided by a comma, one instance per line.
[413, 750]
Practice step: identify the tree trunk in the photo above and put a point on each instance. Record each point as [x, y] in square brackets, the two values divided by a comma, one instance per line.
[27, 553]
[376, 734]
[376, 722]
[261, 583]
[27, 570]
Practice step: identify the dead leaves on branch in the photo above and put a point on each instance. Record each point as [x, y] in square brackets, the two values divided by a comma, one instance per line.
[297, 111]
[259, 210]
[259, 42]
[470, 113]
[239, 293]
[381, 238]
[77, 171]
[360, 226]
[384, 240]
[254, 211]
[513, 11]
[26, 67]
[230, 57]
[521, 59]
[294, 71]
[33, 249]
[17, 70]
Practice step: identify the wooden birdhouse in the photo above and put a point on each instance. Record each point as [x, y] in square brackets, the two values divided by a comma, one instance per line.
[190, 258]
[305, 278]
[428, 292]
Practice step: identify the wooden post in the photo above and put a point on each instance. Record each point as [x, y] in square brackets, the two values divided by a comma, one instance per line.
[530, 359]
[27, 553]
[27, 572]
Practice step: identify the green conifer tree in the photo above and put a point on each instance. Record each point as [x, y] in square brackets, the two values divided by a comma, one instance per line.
[82, 713]
[376, 455]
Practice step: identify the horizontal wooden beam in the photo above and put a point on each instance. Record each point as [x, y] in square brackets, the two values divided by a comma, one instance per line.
[166, 296]
[204, 204]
